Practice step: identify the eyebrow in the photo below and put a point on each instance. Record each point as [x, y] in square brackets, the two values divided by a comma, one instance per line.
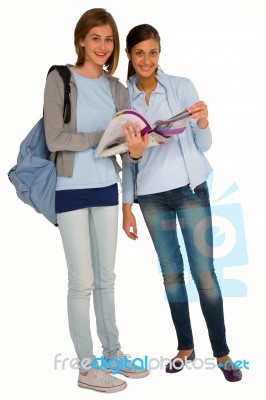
[95, 34]
[149, 50]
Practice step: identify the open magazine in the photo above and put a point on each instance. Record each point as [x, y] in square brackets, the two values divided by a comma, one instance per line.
[113, 140]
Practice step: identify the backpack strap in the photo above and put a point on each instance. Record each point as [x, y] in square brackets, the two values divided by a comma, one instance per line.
[65, 75]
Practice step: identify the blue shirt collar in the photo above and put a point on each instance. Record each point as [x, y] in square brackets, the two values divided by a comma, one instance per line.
[136, 92]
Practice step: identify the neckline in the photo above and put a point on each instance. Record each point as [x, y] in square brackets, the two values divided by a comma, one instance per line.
[87, 77]
[147, 92]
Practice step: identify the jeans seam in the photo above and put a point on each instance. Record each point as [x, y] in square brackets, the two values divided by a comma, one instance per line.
[100, 292]
[71, 313]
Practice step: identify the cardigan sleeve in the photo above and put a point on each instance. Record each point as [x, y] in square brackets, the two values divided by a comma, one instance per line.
[60, 136]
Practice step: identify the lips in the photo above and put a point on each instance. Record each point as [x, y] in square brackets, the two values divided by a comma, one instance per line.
[102, 55]
[145, 67]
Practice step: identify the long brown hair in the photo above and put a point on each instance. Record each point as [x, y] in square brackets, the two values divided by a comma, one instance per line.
[90, 19]
[136, 35]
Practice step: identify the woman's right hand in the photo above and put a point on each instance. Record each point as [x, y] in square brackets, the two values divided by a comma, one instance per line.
[135, 142]
[129, 222]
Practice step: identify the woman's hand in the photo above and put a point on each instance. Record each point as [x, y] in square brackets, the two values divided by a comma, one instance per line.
[135, 142]
[199, 111]
[129, 222]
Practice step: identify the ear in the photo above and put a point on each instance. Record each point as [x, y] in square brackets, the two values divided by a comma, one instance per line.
[81, 42]
[128, 54]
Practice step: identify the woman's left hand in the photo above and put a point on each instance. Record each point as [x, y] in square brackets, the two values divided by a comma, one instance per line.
[199, 111]
[135, 142]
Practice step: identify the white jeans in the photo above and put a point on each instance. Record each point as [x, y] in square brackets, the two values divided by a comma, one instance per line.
[89, 238]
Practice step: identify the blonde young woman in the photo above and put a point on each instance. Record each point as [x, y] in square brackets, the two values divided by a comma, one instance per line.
[87, 192]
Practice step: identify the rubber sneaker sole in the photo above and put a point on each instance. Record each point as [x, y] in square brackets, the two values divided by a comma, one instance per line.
[111, 389]
[129, 374]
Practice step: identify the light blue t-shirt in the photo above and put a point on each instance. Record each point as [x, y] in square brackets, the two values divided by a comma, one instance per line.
[95, 108]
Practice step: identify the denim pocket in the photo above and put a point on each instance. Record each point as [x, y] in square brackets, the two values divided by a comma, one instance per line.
[202, 192]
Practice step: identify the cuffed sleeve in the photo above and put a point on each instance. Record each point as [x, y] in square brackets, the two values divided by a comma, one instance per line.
[202, 137]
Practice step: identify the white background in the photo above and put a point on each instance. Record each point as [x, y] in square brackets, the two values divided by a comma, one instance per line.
[220, 46]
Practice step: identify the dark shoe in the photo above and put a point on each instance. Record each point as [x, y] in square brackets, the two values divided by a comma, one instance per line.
[176, 365]
[231, 375]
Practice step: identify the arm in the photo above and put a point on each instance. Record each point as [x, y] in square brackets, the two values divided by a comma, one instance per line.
[199, 123]
[129, 184]
[59, 136]
[129, 222]
[201, 131]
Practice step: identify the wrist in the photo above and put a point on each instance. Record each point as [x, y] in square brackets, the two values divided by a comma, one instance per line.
[126, 206]
[135, 156]
[203, 123]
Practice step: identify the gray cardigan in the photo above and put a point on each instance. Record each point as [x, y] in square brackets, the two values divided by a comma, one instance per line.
[63, 139]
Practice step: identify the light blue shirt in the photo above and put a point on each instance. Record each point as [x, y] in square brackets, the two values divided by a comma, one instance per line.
[177, 163]
[152, 179]
[95, 108]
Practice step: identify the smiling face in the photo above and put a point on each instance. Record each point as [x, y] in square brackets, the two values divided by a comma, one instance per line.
[98, 45]
[145, 58]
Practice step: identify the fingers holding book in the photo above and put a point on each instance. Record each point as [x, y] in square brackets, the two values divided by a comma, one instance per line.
[135, 141]
[199, 111]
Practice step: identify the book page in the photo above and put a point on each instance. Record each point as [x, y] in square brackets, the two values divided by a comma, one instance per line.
[154, 140]
[114, 133]
[113, 139]
[172, 124]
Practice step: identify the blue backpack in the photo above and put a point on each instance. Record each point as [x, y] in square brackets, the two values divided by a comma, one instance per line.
[34, 175]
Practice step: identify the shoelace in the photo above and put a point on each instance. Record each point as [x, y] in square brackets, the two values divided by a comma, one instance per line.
[129, 363]
[103, 376]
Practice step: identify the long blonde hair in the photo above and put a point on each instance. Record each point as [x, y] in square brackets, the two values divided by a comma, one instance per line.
[90, 19]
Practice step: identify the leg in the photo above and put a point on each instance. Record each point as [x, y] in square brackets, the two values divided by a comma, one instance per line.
[196, 225]
[103, 233]
[74, 230]
[161, 222]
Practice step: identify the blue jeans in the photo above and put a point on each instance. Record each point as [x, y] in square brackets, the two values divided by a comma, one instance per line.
[192, 209]
[89, 238]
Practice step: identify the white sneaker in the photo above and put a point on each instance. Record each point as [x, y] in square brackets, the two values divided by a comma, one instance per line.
[128, 369]
[101, 381]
